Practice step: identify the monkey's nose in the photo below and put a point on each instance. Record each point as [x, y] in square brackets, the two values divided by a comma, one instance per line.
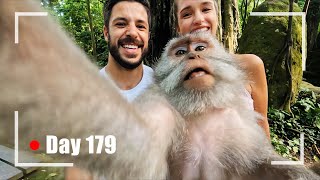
[193, 56]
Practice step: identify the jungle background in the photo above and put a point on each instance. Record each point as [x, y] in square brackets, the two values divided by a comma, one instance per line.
[294, 95]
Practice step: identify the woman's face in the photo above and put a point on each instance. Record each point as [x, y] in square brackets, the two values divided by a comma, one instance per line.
[196, 15]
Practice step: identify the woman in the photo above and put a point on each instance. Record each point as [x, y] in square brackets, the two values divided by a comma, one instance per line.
[201, 15]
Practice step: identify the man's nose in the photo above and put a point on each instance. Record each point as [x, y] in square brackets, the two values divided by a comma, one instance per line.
[132, 31]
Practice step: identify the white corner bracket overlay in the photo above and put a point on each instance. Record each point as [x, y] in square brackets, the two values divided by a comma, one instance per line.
[304, 50]
[304, 35]
[16, 150]
[16, 22]
[16, 113]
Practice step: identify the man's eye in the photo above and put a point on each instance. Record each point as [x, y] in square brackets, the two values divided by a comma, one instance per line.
[141, 27]
[200, 48]
[120, 24]
[180, 52]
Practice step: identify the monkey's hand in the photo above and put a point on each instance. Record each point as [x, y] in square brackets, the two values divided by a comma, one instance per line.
[57, 91]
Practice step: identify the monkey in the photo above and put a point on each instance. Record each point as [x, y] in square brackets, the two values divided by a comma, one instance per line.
[316, 168]
[204, 83]
[190, 125]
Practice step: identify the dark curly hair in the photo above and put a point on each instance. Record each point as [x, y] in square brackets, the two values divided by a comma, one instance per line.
[108, 5]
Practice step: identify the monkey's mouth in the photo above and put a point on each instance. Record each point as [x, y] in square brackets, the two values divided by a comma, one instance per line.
[197, 72]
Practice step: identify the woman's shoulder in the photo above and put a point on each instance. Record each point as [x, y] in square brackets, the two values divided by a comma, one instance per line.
[249, 59]
[250, 62]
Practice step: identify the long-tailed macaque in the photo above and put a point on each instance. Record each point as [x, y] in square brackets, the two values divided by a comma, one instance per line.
[316, 167]
[192, 125]
[223, 141]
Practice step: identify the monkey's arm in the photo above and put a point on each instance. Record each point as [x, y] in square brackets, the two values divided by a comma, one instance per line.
[57, 91]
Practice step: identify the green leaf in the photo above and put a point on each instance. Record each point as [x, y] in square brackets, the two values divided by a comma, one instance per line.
[296, 141]
[317, 124]
[51, 175]
[289, 124]
[295, 149]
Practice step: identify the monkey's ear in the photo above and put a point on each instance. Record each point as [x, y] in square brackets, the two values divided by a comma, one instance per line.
[106, 33]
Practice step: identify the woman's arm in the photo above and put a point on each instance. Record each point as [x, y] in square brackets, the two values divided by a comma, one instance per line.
[258, 84]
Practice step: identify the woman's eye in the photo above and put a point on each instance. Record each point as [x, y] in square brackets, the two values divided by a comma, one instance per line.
[186, 14]
[200, 48]
[180, 52]
[206, 9]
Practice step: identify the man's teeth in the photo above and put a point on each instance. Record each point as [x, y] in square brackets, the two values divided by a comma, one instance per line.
[200, 30]
[130, 46]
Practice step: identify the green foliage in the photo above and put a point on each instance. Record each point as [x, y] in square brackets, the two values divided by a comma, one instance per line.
[245, 8]
[301, 3]
[73, 16]
[285, 127]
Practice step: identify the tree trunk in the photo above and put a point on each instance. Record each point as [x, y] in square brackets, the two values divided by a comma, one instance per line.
[93, 41]
[231, 24]
[313, 20]
[219, 29]
[161, 29]
[306, 6]
[312, 73]
[287, 101]
[255, 3]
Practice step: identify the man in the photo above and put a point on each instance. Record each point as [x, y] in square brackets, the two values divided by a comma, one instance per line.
[126, 29]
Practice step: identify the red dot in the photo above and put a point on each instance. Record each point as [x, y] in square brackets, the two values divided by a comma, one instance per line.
[34, 145]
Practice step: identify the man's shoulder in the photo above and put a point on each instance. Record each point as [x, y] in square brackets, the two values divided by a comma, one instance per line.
[147, 69]
[147, 74]
[103, 72]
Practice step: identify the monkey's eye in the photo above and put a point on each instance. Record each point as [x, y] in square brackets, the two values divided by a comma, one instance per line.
[200, 48]
[180, 51]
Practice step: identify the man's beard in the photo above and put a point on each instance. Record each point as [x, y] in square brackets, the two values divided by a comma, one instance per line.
[114, 51]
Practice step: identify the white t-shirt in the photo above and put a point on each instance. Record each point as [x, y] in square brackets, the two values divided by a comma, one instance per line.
[131, 94]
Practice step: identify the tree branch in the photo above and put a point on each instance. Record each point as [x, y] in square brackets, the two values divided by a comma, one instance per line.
[306, 6]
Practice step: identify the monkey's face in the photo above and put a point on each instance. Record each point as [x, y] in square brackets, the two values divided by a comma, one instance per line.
[192, 52]
[196, 73]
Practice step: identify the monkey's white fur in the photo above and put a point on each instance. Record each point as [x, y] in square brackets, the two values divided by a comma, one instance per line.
[223, 140]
